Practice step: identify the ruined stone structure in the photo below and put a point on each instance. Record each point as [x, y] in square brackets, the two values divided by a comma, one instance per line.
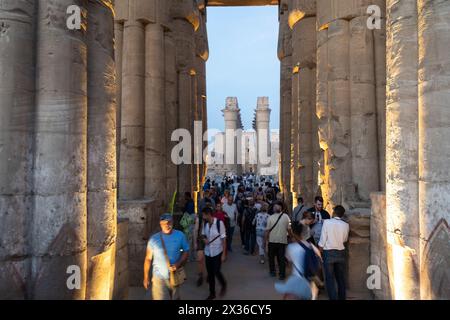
[232, 139]
[246, 144]
[261, 124]
[87, 119]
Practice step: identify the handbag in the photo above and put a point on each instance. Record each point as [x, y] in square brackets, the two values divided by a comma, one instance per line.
[177, 277]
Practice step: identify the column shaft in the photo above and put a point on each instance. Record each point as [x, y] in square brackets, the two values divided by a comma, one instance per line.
[60, 170]
[102, 173]
[364, 133]
[402, 207]
[434, 148]
[132, 158]
[154, 113]
[17, 85]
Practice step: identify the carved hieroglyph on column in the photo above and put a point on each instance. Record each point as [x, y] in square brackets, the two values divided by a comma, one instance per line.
[434, 147]
[102, 174]
[402, 194]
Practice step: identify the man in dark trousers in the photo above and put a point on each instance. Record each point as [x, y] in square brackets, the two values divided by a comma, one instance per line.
[332, 243]
[278, 226]
[214, 236]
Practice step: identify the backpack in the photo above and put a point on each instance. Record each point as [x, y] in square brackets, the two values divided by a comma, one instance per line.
[312, 263]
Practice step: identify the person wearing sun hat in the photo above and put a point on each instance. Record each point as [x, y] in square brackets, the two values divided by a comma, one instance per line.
[177, 248]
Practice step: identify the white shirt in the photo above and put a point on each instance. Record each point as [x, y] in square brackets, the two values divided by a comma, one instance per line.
[216, 247]
[334, 234]
[231, 211]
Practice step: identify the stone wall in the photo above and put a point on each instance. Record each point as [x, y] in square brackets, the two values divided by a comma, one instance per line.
[358, 252]
[121, 274]
[143, 221]
[379, 249]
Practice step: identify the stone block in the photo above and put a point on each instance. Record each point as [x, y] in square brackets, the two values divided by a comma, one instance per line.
[378, 244]
[358, 250]
[122, 10]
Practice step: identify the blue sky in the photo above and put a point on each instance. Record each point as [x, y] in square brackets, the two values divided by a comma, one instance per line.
[243, 61]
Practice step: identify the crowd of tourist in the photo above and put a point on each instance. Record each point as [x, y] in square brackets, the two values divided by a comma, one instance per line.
[307, 241]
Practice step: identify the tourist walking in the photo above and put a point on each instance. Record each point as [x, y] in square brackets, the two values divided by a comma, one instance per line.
[332, 241]
[167, 252]
[298, 254]
[249, 228]
[214, 238]
[278, 226]
[260, 223]
[231, 211]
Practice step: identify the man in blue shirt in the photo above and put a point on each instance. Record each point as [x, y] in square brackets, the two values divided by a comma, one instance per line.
[177, 251]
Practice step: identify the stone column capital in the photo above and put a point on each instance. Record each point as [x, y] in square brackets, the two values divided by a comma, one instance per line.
[187, 10]
[144, 11]
[299, 9]
[201, 40]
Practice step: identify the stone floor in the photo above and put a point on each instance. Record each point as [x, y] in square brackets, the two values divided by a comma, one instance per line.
[247, 280]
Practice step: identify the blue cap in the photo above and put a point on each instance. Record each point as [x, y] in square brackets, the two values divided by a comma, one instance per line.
[166, 217]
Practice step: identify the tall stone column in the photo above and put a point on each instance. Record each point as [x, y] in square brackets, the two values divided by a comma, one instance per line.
[285, 56]
[59, 221]
[202, 55]
[402, 134]
[379, 37]
[263, 133]
[171, 110]
[364, 134]
[132, 157]
[102, 174]
[155, 149]
[294, 152]
[302, 21]
[118, 57]
[232, 124]
[434, 147]
[185, 23]
[17, 85]
[322, 110]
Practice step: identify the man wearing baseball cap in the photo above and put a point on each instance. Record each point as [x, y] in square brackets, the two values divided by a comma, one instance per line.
[177, 248]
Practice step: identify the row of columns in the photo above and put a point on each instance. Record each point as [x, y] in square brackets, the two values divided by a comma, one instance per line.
[335, 133]
[418, 123]
[58, 192]
[163, 88]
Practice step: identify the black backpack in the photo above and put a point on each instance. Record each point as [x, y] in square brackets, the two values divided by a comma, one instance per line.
[312, 263]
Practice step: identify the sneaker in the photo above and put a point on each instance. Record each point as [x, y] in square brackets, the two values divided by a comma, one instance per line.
[282, 277]
[211, 297]
[261, 261]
